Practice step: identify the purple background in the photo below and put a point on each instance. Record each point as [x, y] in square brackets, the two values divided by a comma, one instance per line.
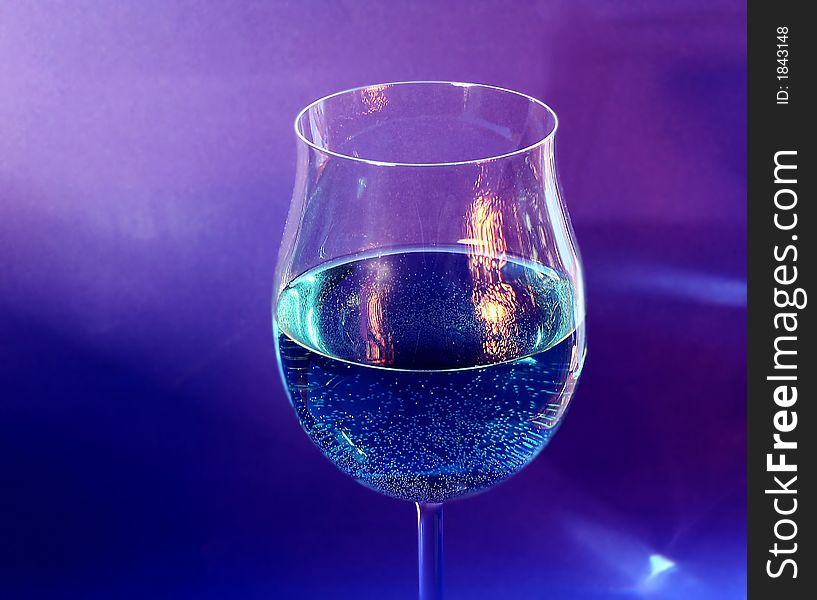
[146, 163]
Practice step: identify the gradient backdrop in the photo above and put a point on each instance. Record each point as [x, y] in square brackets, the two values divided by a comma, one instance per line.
[146, 161]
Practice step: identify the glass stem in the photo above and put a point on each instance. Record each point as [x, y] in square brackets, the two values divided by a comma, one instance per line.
[430, 549]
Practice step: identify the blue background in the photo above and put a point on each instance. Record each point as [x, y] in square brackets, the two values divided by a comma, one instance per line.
[146, 161]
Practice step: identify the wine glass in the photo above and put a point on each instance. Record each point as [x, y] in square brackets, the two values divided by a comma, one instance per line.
[428, 301]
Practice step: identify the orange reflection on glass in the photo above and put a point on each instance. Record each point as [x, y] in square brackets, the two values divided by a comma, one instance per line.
[375, 98]
[485, 236]
[379, 343]
[496, 305]
[494, 300]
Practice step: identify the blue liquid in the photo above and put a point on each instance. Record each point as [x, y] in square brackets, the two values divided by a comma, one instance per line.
[429, 375]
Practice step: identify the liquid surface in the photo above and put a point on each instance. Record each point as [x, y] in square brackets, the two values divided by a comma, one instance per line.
[429, 375]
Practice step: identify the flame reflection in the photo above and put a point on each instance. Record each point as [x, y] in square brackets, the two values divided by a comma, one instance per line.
[379, 343]
[374, 98]
[494, 299]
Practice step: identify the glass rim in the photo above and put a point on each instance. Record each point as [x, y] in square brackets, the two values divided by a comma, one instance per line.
[319, 148]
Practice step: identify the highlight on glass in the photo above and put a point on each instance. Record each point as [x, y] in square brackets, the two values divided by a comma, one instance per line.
[428, 304]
